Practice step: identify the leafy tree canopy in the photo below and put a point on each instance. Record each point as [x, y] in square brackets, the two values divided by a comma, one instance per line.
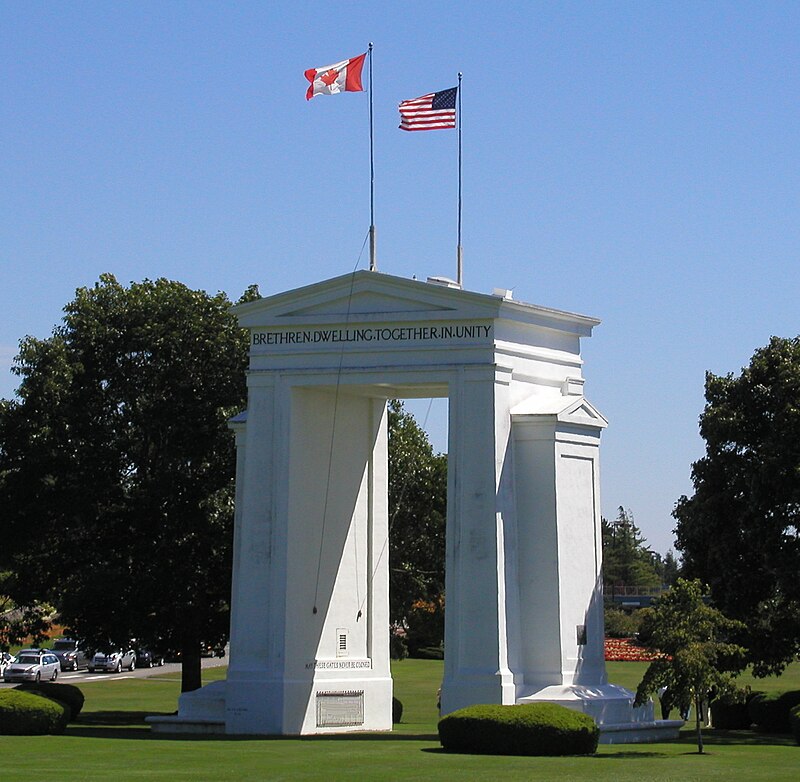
[697, 655]
[740, 531]
[20, 623]
[116, 465]
[417, 517]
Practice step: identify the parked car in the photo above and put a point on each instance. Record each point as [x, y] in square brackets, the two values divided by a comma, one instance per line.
[113, 661]
[211, 650]
[32, 665]
[5, 659]
[70, 654]
[147, 658]
[206, 650]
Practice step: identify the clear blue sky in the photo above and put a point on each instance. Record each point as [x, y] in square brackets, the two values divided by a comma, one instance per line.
[637, 162]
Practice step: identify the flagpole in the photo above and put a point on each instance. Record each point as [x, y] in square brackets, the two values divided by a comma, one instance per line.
[373, 263]
[459, 256]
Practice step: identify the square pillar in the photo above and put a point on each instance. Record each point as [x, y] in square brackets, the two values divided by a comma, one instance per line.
[253, 691]
[480, 515]
[560, 552]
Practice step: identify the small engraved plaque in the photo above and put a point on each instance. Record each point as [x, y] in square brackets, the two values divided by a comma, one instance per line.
[340, 709]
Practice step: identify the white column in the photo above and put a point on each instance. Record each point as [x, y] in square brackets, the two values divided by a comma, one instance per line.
[254, 698]
[479, 519]
[337, 657]
[559, 553]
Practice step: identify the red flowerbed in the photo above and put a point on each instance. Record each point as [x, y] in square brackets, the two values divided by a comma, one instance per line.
[625, 650]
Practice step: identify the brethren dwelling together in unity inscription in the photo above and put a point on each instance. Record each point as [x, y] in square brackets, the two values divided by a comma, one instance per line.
[310, 608]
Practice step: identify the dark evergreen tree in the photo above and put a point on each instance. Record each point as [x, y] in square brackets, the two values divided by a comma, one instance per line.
[669, 568]
[627, 560]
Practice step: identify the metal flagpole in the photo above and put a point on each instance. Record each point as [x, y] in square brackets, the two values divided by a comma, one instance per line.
[373, 263]
[459, 256]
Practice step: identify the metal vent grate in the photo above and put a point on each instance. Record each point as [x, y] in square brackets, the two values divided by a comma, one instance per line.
[341, 642]
[340, 709]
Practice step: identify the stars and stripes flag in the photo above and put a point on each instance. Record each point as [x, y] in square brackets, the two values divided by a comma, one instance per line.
[344, 76]
[433, 111]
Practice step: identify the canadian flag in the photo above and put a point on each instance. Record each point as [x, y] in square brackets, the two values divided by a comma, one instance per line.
[344, 76]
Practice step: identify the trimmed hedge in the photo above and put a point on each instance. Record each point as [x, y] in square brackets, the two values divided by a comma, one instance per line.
[428, 653]
[727, 714]
[770, 711]
[397, 710]
[794, 719]
[68, 694]
[522, 729]
[25, 714]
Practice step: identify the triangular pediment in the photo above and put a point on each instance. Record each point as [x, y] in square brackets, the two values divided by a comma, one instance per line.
[366, 295]
[366, 302]
[583, 411]
[372, 296]
[564, 409]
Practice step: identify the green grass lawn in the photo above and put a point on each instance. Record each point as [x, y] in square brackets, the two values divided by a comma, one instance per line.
[111, 742]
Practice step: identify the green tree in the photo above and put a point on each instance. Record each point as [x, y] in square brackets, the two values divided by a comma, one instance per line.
[697, 656]
[627, 560]
[669, 568]
[19, 623]
[116, 466]
[417, 516]
[740, 531]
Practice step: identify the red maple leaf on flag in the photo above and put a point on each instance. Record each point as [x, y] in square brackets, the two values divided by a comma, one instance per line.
[329, 77]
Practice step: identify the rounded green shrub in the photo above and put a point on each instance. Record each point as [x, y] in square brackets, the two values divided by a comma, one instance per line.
[68, 694]
[397, 710]
[794, 721]
[770, 711]
[25, 714]
[522, 729]
[620, 624]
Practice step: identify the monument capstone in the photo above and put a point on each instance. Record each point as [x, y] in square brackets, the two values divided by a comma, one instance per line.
[310, 606]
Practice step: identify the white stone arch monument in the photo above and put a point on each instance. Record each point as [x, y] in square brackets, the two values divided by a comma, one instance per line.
[309, 618]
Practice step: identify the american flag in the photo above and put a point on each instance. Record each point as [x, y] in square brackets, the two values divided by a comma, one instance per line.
[429, 112]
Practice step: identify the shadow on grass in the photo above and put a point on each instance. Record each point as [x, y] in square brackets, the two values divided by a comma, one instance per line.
[613, 755]
[131, 725]
[622, 754]
[743, 738]
[113, 718]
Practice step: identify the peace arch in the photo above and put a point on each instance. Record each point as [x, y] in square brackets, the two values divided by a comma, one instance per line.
[309, 643]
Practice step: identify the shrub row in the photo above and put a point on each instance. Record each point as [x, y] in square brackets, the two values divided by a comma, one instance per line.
[730, 714]
[522, 729]
[794, 719]
[31, 710]
[68, 694]
[770, 710]
[24, 713]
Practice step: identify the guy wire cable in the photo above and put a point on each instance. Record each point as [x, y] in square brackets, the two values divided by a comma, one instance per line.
[394, 516]
[333, 432]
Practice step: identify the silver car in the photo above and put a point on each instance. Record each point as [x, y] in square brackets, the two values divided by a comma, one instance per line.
[32, 665]
[113, 661]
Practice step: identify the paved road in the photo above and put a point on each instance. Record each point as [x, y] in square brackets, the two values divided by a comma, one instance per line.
[73, 677]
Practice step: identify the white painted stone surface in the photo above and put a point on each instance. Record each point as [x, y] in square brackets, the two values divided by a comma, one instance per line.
[309, 622]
